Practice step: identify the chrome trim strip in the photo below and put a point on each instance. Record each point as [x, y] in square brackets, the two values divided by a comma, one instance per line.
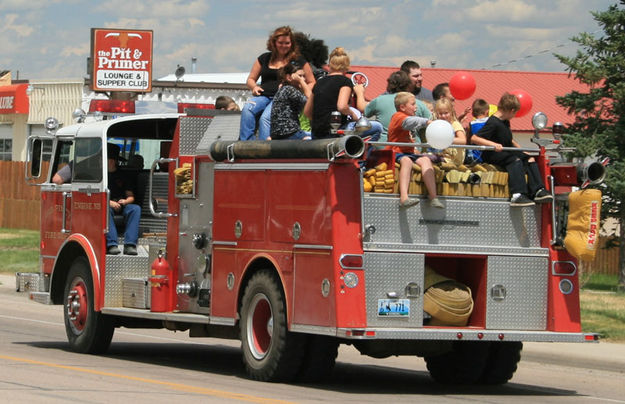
[468, 334]
[314, 329]
[312, 247]
[227, 243]
[456, 249]
[222, 321]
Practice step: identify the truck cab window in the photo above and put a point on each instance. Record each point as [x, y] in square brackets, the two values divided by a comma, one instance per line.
[88, 160]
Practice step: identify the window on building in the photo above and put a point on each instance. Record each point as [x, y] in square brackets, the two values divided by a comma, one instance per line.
[6, 142]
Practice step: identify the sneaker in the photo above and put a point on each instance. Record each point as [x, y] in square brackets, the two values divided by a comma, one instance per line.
[408, 203]
[113, 250]
[130, 250]
[436, 203]
[521, 200]
[542, 196]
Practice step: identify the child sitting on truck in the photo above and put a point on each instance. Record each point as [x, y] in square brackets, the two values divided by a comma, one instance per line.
[402, 123]
[496, 133]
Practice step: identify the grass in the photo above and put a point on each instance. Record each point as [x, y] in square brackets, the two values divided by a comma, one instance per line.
[19, 250]
[603, 308]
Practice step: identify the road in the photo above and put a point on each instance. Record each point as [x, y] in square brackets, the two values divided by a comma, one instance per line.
[158, 366]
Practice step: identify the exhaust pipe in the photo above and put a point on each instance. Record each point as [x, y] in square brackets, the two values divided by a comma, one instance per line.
[350, 146]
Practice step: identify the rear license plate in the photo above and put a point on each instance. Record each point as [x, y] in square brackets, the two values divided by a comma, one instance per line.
[394, 307]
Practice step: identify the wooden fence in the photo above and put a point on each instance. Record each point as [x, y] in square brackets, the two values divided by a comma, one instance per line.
[19, 202]
[20, 209]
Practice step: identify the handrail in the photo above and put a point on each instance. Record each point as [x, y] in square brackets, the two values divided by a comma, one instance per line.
[151, 202]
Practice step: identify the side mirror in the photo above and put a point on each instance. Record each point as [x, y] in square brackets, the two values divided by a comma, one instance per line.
[35, 158]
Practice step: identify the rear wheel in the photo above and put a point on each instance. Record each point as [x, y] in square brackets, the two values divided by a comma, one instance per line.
[464, 364]
[87, 331]
[270, 351]
[501, 363]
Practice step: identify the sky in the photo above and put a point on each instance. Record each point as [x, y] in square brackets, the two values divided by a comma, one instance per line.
[50, 39]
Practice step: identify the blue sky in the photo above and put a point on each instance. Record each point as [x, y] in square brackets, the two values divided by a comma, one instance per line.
[50, 39]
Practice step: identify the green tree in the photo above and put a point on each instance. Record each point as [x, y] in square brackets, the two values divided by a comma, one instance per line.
[599, 127]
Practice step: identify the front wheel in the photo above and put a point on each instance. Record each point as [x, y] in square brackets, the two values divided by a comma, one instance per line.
[87, 331]
[270, 351]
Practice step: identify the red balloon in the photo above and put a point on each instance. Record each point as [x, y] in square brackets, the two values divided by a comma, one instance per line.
[526, 102]
[462, 85]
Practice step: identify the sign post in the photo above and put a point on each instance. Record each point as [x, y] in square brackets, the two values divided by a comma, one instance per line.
[122, 60]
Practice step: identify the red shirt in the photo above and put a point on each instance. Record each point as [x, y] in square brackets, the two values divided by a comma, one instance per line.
[398, 134]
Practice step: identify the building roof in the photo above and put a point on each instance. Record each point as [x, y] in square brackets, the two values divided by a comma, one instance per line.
[490, 84]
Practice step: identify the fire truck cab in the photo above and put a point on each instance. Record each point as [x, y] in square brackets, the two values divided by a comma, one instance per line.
[277, 244]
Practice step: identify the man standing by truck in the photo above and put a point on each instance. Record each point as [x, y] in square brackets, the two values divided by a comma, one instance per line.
[121, 202]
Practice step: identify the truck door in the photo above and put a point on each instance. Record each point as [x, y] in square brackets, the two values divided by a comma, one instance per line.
[77, 205]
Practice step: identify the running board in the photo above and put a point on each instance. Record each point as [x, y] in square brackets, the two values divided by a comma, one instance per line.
[169, 316]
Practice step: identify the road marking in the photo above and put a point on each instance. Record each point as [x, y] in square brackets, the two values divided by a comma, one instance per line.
[175, 386]
[117, 331]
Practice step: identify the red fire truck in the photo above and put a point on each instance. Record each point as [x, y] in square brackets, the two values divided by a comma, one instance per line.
[277, 244]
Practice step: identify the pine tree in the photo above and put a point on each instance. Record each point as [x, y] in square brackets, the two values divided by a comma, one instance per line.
[599, 127]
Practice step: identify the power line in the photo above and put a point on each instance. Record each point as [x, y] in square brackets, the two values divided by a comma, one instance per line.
[539, 53]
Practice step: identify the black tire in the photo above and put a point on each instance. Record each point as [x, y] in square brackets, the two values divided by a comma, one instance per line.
[270, 351]
[464, 364]
[88, 331]
[501, 363]
[319, 359]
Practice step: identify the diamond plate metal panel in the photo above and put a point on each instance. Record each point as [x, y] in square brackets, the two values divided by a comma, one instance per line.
[119, 267]
[136, 293]
[191, 131]
[225, 127]
[465, 223]
[525, 304]
[392, 272]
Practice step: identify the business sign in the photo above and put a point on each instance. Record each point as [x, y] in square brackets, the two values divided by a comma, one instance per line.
[122, 60]
[13, 99]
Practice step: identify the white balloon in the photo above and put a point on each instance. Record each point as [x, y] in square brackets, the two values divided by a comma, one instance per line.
[439, 134]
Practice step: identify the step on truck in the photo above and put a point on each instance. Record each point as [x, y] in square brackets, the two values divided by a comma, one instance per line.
[278, 244]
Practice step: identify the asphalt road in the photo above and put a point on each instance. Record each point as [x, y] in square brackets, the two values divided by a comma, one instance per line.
[154, 366]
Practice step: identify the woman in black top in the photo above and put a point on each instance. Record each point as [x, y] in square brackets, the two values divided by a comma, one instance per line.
[282, 50]
[333, 93]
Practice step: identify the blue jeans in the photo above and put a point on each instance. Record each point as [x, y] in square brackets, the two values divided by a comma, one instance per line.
[299, 135]
[132, 214]
[374, 132]
[254, 107]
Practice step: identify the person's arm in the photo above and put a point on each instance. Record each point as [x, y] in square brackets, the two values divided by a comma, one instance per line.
[464, 114]
[308, 73]
[252, 78]
[305, 87]
[63, 175]
[56, 178]
[342, 103]
[460, 136]
[130, 198]
[515, 143]
[308, 108]
[414, 122]
[361, 103]
[481, 138]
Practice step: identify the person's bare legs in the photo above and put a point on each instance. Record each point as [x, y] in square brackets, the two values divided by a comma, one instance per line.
[427, 172]
[405, 171]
